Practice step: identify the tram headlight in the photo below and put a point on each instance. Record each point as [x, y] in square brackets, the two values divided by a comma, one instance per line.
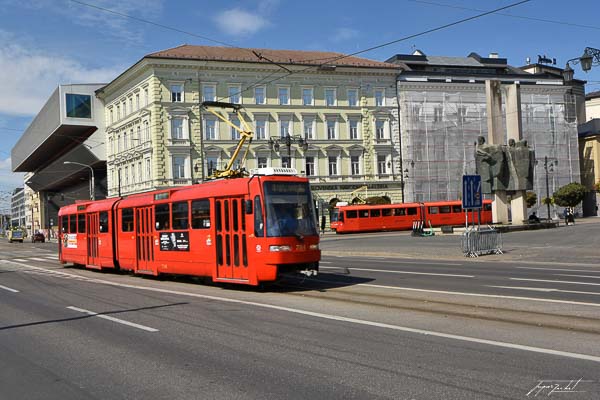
[280, 248]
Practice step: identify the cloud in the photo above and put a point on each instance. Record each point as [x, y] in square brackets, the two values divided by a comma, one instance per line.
[238, 22]
[29, 76]
[343, 34]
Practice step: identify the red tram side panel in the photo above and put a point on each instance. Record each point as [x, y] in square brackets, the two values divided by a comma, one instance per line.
[229, 230]
[85, 236]
[392, 217]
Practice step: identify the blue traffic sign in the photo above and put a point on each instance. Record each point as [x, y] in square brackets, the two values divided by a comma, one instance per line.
[471, 193]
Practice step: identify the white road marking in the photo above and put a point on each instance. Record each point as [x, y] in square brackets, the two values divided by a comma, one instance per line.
[371, 323]
[19, 260]
[52, 257]
[580, 276]
[560, 269]
[120, 321]
[554, 281]
[402, 272]
[545, 290]
[9, 289]
[494, 296]
[414, 262]
[37, 259]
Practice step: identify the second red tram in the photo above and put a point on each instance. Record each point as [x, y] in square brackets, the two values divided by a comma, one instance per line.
[397, 217]
[244, 230]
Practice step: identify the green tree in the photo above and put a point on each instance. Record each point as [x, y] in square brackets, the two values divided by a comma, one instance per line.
[530, 199]
[569, 195]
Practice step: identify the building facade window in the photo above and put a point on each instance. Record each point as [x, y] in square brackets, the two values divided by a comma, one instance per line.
[309, 128]
[353, 97]
[131, 104]
[177, 92]
[286, 162]
[125, 141]
[261, 162]
[330, 97]
[355, 165]
[124, 104]
[310, 166]
[353, 127]
[146, 99]
[333, 167]
[235, 134]
[137, 101]
[283, 94]
[379, 129]
[307, 96]
[148, 169]
[178, 167]
[211, 165]
[118, 113]
[261, 128]
[210, 129]
[177, 131]
[146, 131]
[235, 92]
[382, 164]
[284, 126]
[379, 97]
[331, 125]
[260, 95]
[111, 119]
[209, 92]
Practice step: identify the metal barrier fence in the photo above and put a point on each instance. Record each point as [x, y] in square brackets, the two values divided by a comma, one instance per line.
[477, 242]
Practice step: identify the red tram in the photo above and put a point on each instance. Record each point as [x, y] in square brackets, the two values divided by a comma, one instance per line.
[245, 230]
[398, 217]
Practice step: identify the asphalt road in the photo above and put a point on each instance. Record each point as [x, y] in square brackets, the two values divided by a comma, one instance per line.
[372, 325]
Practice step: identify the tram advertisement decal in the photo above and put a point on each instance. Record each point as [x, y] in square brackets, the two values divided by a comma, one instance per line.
[174, 241]
[70, 240]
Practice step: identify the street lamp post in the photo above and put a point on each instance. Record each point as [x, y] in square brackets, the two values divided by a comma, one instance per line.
[287, 140]
[589, 58]
[92, 185]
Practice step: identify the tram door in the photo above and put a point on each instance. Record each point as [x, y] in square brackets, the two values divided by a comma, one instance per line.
[232, 255]
[144, 240]
[92, 239]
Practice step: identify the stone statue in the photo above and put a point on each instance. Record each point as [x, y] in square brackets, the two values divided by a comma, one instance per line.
[520, 160]
[490, 163]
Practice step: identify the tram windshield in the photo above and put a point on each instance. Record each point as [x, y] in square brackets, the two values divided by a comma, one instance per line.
[290, 210]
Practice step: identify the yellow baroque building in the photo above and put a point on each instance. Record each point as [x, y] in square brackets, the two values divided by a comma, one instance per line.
[332, 117]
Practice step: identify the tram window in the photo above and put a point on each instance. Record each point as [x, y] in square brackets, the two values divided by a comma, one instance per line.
[65, 223]
[399, 211]
[456, 209]
[161, 216]
[259, 226]
[363, 213]
[386, 212]
[73, 224]
[180, 215]
[351, 214]
[341, 217]
[234, 209]
[200, 214]
[103, 222]
[445, 210]
[411, 211]
[434, 210]
[487, 207]
[80, 223]
[127, 220]
[375, 213]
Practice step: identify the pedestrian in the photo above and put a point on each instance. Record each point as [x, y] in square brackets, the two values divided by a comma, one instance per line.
[323, 223]
[566, 215]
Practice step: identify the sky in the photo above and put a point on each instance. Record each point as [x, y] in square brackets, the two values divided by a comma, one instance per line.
[44, 43]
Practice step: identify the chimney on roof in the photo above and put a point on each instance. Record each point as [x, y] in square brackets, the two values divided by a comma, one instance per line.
[493, 55]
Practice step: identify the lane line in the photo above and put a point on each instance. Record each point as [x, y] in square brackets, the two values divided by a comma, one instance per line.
[514, 346]
[37, 259]
[19, 259]
[493, 296]
[560, 269]
[545, 290]
[554, 281]
[580, 276]
[9, 289]
[117, 320]
[401, 272]
[401, 261]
